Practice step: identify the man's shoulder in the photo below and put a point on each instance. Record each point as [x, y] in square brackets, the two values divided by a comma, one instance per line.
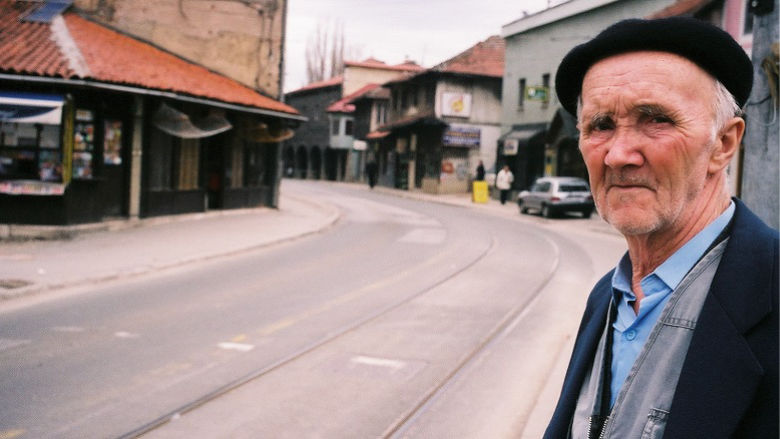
[601, 293]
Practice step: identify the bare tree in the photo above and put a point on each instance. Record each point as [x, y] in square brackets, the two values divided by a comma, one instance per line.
[325, 52]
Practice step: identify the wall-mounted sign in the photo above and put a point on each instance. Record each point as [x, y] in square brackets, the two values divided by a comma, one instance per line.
[537, 93]
[511, 146]
[456, 104]
[461, 136]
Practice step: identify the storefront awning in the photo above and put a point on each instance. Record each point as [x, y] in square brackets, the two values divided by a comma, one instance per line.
[513, 139]
[177, 123]
[31, 108]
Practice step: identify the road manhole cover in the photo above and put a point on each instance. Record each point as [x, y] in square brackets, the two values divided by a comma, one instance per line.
[10, 284]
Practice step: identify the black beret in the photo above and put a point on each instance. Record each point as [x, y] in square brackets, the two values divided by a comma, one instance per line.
[711, 48]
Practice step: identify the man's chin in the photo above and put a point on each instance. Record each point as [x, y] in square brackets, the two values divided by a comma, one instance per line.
[632, 221]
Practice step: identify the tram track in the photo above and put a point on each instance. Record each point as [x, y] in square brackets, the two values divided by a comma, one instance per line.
[188, 407]
[510, 319]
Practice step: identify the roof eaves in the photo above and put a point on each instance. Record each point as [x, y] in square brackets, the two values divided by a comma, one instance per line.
[90, 83]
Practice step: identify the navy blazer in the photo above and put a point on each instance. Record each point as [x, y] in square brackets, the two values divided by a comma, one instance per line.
[728, 385]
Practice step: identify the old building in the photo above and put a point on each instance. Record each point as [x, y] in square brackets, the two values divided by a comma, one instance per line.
[241, 39]
[443, 120]
[538, 136]
[95, 124]
[322, 147]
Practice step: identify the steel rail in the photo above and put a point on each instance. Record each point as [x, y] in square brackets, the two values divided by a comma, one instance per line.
[235, 384]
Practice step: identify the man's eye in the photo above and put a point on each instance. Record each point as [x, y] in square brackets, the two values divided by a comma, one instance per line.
[602, 125]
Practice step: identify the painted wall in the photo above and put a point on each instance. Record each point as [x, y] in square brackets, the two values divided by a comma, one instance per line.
[241, 39]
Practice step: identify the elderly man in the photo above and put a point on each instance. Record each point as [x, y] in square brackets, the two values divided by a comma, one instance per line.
[680, 340]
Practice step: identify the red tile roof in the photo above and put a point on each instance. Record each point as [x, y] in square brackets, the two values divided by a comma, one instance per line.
[406, 66]
[345, 104]
[485, 59]
[681, 7]
[338, 80]
[86, 50]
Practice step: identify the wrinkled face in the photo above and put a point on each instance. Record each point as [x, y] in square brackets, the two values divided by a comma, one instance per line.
[646, 130]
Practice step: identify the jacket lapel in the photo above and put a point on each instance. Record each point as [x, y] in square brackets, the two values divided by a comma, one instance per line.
[581, 361]
[720, 373]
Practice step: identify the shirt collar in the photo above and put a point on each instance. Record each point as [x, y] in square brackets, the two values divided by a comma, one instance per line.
[672, 271]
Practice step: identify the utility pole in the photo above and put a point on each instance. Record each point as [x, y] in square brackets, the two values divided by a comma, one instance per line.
[760, 181]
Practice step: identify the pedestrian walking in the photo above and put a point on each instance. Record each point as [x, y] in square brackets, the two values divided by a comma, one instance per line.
[680, 339]
[504, 181]
[371, 172]
[480, 172]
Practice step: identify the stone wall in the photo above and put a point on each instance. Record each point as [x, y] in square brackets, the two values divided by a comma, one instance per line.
[241, 39]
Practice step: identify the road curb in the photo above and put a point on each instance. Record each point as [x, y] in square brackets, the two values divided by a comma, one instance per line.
[333, 215]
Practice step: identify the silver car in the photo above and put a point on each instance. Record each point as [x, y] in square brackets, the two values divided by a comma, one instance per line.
[553, 195]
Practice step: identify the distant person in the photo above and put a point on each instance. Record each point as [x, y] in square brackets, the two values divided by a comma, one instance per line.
[480, 172]
[371, 172]
[680, 339]
[504, 181]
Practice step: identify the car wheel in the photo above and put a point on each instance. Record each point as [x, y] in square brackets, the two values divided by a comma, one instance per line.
[546, 211]
[523, 209]
[586, 214]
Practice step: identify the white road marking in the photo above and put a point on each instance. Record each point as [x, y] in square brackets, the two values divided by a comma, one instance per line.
[425, 236]
[379, 362]
[242, 347]
[68, 329]
[6, 343]
[124, 334]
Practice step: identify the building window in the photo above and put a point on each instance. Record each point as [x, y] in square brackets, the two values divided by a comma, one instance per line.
[335, 126]
[546, 85]
[348, 127]
[381, 108]
[747, 19]
[413, 93]
[521, 95]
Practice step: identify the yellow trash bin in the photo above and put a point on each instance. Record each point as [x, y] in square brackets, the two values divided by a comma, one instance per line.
[479, 192]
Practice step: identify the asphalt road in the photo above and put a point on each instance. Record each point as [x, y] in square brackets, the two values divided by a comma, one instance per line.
[405, 319]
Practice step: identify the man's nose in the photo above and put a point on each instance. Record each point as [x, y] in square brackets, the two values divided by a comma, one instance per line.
[624, 148]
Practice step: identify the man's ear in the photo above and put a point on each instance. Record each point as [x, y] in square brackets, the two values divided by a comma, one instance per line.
[726, 144]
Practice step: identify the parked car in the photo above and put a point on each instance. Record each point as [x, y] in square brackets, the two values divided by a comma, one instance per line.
[554, 195]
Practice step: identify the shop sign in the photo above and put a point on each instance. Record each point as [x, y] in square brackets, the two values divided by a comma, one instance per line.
[537, 93]
[511, 146]
[31, 187]
[461, 136]
[456, 104]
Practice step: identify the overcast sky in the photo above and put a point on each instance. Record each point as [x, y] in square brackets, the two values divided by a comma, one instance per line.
[425, 31]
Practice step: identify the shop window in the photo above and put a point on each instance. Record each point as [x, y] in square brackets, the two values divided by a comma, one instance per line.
[160, 171]
[189, 153]
[112, 142]
[30, 151]
[84, 145]
[254, 165]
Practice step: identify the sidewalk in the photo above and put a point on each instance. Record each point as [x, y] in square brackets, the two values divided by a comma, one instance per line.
[119, 249]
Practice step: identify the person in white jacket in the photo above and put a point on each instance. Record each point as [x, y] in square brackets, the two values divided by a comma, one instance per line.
[504, 181]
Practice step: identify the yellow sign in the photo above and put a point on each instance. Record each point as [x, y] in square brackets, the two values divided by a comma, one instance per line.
[479, 192]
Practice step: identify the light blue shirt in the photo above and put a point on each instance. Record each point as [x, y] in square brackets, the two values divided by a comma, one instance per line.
[631, 330]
